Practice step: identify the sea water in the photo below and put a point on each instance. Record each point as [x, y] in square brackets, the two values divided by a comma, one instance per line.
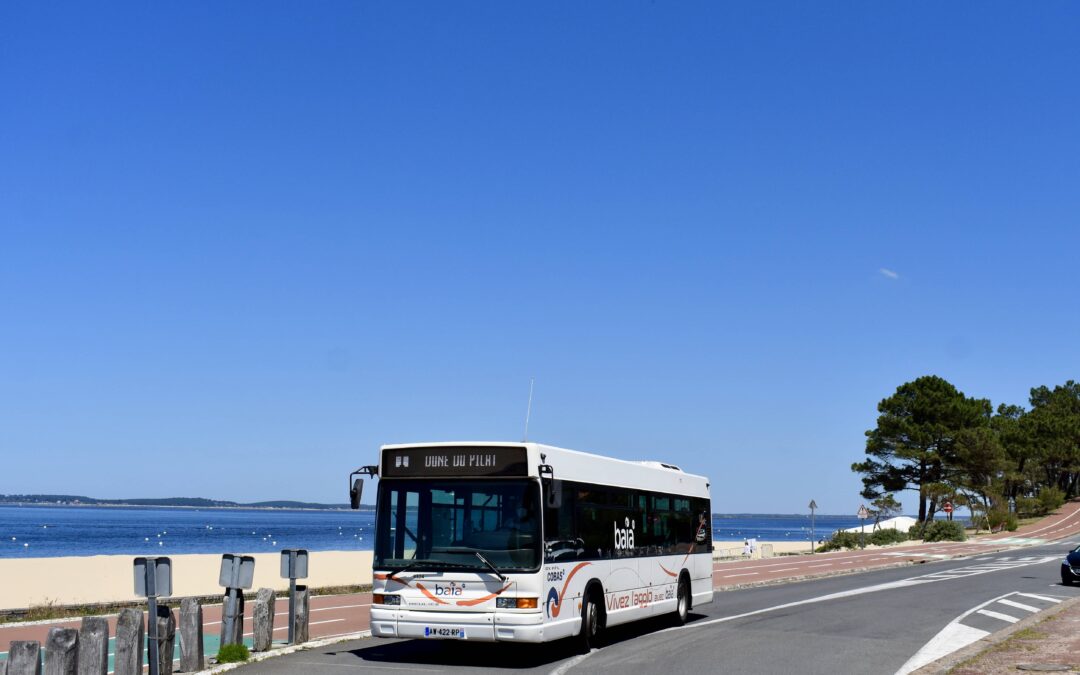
[48, 531]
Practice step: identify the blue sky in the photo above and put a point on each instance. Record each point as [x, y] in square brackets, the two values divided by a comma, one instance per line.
[244, 241]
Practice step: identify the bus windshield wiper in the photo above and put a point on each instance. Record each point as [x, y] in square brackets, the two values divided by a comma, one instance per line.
[423, 561]
[488, 563]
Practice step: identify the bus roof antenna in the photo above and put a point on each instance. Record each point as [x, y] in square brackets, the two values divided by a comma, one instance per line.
[528, 410]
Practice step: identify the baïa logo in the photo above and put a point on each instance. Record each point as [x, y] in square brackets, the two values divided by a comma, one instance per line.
[453, 589]
[624, 537]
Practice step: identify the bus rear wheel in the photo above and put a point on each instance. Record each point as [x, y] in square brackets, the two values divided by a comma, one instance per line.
[682, 603]
[590, 623]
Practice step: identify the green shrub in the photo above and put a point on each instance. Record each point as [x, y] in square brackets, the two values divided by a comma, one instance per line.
[887, 536]
[944, 530]
[840, 540]
[1028, 506]
[998, 517]
[233, 654]
[1012, 522]
[1051, 499]
[916, 531]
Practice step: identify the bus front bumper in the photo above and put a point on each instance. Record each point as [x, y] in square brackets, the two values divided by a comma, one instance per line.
[478, 626]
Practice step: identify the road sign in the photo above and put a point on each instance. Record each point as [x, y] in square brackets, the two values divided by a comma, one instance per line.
[153, 577]
[294, 563]
[237, 571]
[863, 515]
[947, 507]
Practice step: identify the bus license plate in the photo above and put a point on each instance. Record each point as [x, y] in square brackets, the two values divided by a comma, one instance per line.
[443, 632]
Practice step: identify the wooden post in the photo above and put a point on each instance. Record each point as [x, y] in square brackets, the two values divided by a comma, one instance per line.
[94, 646]
[300, 628]
[262, 617]
[130, 636]
[166, 630]
[191, 636]
[62, 652]
[24, 658]
[237, 636]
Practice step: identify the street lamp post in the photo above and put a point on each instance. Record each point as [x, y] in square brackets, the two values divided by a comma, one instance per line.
[813, 537]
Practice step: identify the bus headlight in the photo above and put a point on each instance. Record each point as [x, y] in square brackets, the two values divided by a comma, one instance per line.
[385, 599]
[515, 603]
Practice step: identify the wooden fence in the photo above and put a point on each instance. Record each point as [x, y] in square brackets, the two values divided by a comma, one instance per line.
[85, 651]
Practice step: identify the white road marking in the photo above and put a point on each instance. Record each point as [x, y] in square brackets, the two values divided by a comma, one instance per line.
[952, 637]
[1040, 597]
[745, 574]
[1019, 605]
[956, 635]
[313, 609]
[567, 665]
[998, 615]
[324, 609]
[903, 583]
[311, 623]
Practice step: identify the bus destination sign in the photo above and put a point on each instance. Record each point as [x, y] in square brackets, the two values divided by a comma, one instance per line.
[454, 461]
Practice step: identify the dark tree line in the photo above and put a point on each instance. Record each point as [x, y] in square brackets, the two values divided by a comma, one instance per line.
[932, 439]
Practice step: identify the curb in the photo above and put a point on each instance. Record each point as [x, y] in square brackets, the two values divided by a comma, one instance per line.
[854, 570]
[946, 663]
[283, 651]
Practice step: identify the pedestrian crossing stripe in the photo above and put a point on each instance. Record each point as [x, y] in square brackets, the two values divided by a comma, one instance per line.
[958, 634]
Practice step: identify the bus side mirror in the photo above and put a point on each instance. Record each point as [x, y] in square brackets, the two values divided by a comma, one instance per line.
[355, 492]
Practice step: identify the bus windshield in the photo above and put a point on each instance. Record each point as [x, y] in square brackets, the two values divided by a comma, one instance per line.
[429, 524]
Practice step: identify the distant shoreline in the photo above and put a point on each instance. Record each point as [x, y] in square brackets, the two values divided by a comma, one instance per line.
[363, 508]
[238, 507]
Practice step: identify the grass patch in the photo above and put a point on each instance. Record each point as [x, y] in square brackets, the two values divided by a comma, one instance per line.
[1010, 643]
[233, 654]
[50, 609]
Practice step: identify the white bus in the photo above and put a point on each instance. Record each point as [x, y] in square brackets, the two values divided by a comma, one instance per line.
[522, 542]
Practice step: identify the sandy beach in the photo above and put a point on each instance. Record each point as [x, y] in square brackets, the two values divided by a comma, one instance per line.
[29, 582]
[26, 582]
[733, 549]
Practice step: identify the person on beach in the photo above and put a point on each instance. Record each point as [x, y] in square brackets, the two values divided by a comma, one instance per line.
[746, 550]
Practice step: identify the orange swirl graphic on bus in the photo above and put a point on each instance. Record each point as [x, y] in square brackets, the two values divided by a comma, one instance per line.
[431, 596]
[477, 601]
[554, 599]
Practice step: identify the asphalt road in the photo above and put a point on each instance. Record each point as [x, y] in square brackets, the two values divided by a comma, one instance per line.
[869, 623]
